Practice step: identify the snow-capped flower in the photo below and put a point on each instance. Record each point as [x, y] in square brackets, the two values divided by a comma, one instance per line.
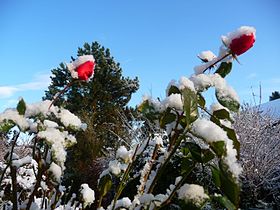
[240, 40]
[82, 68]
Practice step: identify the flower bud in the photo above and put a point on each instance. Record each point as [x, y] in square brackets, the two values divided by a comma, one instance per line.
[240, 40]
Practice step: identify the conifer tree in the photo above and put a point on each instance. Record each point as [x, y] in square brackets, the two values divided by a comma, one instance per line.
[97, 102]
[103, 97]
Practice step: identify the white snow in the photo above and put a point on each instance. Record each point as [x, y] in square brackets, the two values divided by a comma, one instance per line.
[56, 171]
[173, 101]
[207, 55]
[231, 161]
[209, 130]
[124, 202]
[114, 167]
[69, 119]
[87, 193]
[184, 82]
[23, 161]
[12, 114]
[123, 154]
[212, 133]
[146, 199]
[192, 193]
[272, 108]
[202, 81]
[243, 30]
[50, 124]
[217, 106]
[58, 141]
[41, 107]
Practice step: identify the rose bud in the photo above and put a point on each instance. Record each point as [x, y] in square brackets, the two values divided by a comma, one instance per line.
[82, 68]
[240, 40]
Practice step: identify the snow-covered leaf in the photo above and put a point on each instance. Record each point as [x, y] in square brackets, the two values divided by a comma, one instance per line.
[224, 69]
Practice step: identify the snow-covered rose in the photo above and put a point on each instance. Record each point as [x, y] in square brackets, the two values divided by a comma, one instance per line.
[240, 40]
[82, 68]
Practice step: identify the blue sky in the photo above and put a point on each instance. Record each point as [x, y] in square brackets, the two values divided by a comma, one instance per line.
[155, 40]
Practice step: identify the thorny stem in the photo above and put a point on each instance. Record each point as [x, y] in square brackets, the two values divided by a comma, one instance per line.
[168, 200]
[212, 65]
[14, 174]
[41, 170]
[151, 162]
[63, 91]
[162, 166]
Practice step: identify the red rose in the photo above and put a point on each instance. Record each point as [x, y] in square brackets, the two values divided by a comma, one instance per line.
[241, 44]
[85, 70]
[82, 68]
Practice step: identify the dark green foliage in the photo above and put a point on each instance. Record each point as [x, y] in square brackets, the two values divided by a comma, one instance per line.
[21, 107]
[100, 103]
[224, 69]
[274, 95]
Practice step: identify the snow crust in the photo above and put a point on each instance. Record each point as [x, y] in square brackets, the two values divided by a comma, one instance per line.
[56, 171]
[173, 101]
[87, 193]
[272, 108]
[192, 193]
[124, 154]
[23, 161]
[207, 55]
[209, 130]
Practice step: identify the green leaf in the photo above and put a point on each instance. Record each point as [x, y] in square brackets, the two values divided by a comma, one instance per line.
[148, 110]
[104, 185]
[229, 184]
[219, 148]
[232, 136]
[195, 151]
[227, 101]
[198, 154]
[167, 118]
[207, 155]
[187, 165]
[190, 105]
[21, 107]
[6, 126]
[224, 201]
[224, 69]
[185, 151]
[222, 114]
[200, 100]
[173, 90]
[216, 176]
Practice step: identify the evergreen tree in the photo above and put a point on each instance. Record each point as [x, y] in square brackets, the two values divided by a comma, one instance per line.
[100, 102]
[275, 95]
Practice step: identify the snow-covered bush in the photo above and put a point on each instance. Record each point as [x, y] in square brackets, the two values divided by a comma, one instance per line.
[187, 139]
[157, 171]
[34, 181]
[259, 134]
